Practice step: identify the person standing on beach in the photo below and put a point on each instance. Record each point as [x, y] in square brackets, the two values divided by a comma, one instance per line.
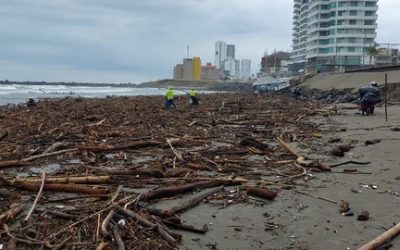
[169, 98]
[192, 98]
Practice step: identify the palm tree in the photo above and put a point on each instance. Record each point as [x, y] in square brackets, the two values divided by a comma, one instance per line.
[372, 51]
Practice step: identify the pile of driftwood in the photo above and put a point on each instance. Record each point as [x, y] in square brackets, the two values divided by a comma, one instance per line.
[86, 173]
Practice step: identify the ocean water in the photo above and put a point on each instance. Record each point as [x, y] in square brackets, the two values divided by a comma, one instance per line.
[18, 93]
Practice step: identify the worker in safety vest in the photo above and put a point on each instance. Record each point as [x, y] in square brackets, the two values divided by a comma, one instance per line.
[192, 98]
[169, 98]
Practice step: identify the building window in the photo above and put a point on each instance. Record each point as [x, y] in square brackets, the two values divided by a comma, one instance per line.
[353, 3]
[353, 13]
[351, 49]
[369, 22]
[353, 22]
[369, 13]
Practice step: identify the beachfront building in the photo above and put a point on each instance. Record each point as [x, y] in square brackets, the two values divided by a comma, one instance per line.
[331, 35]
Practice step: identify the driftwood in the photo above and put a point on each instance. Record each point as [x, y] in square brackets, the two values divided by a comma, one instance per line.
[37, 197]
[105, 223]
[69, 188]
[316, 196]
[76, 180]
[174, 190]
[301, 159]
[186, 204]
[381, 239]
[14, 210]
[117, 238]
[262, 192]
[146, 223]
[177, 224]
[133, 145]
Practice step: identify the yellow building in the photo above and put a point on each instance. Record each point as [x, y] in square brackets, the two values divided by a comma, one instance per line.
[196, 70]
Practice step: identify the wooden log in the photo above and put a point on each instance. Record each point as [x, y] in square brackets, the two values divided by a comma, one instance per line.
[37, 198]
[105, 223]
[14, 210]
[301, 159]
[381, 239]
[262, 192]
[186, 204]
[132, 145]
[118, 238]
[11, 164]
[184, 227]
[175, 190]
[76, 180]
[144, 222]
[68, 188]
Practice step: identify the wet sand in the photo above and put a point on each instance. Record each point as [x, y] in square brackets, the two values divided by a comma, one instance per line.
[304, 222]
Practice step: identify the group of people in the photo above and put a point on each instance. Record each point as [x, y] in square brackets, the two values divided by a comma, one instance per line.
[169, 98]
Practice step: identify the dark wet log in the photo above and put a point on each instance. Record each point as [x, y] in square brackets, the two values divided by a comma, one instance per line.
[118, 239]
[144, 222]
[133, 145]
[184, 205]
[175, 190]
[184, 227]
[68, 188]
[262, 192]
[11, 164]
[14, 210]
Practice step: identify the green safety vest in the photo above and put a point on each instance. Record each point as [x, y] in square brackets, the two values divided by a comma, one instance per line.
[192, 93]
[169, 94]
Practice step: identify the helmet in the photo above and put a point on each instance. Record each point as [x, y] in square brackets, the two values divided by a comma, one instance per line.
[373, 83]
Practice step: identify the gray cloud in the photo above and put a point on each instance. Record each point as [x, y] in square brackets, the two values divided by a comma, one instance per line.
[125, 40]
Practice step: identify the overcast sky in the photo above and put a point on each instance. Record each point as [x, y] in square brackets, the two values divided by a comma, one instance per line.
[141, 40]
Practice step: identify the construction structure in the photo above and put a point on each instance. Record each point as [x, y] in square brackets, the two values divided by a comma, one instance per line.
[189, 70]
[331, 35]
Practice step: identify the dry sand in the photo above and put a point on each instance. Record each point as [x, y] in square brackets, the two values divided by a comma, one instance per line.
[350, 80]
[304, 222]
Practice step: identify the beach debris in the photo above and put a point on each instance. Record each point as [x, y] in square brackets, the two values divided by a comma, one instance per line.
[117, 157]
[372, 142]
[262, 192]
[363, 216]
[370, 186]
[344, 207]
[382, 239]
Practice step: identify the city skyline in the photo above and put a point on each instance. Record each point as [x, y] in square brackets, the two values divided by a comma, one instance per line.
[130, 41]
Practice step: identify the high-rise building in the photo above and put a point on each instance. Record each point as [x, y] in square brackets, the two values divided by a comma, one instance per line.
[230, 51]
[245, 69]
[189, 70]
[220, 54]
[196, 71]
[230, 67]
[333, 33]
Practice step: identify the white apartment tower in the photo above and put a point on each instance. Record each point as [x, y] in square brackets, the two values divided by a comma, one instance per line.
[333, 32]
[245, 69]
[220, 54]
